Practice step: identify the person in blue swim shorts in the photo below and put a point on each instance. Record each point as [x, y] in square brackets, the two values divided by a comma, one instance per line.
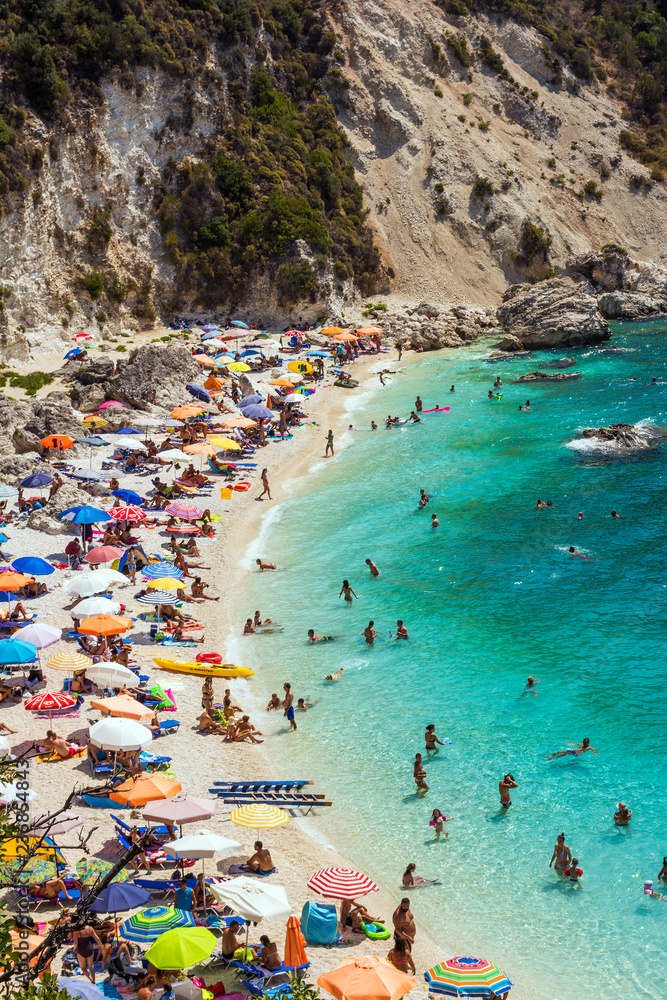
[504, 787]
[288, 705]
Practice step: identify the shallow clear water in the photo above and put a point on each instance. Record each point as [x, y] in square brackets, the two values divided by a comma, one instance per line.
[489, 597]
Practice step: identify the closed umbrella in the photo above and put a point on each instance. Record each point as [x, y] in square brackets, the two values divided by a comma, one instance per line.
[94, 606]
[143, 789]
[366, 978]
[120, 734]
[295, 951]
[341, 883]
[103, 554]
[149, 924]
[122, 707]
[466, 976]
[68, 660]
[181, 948]
[105, 625]
[33, 566]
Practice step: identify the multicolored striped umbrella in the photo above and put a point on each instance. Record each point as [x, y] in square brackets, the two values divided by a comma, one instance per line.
[68, 660]
[341, 883]
[129, 513]
[148, 924]
[90, 869]
[468, 977]
[34, 870]
[180, 508]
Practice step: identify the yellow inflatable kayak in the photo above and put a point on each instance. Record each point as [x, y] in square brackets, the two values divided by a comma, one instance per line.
[204, 669]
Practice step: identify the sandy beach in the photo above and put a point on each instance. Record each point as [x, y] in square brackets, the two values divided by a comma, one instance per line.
[299, 848]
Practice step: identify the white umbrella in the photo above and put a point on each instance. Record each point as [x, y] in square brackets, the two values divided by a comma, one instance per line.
[120, 734]
[41, 635]
[10, 793]
[252, 900]
[88, 584]
[174, 455]
[95, 606]
[214, 342]
[112, 575]
[129, 444]
[4, 746]
[202, 844]
[110, 675]
[80, 988]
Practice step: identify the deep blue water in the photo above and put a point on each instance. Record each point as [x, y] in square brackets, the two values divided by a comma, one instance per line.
[489, 597]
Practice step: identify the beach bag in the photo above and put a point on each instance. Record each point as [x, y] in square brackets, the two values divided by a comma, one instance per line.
[319, 923]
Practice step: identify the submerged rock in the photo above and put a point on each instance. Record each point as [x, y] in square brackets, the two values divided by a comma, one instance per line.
[552, 313]
[546, 377]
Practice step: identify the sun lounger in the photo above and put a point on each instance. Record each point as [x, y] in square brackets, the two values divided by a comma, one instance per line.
[284, 799]
[255, 786]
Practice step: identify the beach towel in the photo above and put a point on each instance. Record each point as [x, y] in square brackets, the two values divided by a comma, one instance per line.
[246, 870]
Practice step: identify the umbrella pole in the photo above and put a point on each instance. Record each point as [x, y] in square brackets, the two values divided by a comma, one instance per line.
[203, 886]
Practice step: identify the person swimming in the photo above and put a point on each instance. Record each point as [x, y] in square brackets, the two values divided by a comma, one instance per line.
[573, 552]
[335, 677]
[580, 515]
[577, 752]
[530, 686]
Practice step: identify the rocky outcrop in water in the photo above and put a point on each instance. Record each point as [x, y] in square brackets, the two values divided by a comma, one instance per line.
[553, 313]
[153, 368]
[630, 288]
[547, 377]
[624, 435]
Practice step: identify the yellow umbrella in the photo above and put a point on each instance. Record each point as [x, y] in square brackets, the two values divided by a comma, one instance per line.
[166, 583]
[331, 331]
[94, 421]
[281, 381]
[36, 847]
[69, 660]
[239, 366]
[200, 448]
[226, 443]
[300, 366]
[258, 814]
[122, 707]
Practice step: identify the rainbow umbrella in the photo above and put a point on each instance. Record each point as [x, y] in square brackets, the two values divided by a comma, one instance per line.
[149, 924]
[90, 869]
[34, 870]
[467, 977]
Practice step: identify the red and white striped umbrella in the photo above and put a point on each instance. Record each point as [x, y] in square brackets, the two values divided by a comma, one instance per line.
[341, 883]
[50, 701]
[179, 508]
[128, 513]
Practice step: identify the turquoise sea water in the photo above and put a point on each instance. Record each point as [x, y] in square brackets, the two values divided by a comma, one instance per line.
[489, 597]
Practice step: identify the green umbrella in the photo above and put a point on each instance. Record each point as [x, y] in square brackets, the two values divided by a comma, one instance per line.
[181, 948]
[90, 869]
[35, 870]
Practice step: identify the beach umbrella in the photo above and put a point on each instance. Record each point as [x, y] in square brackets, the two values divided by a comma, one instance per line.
[144, 788]
[34, 869]
[82, 336]
[33, 566]
[149, 924]
[258, 412]
[295, 951]
[105, 625]
[11, 580]
[180, 508]
[103, 554]
[203, 359]
[302, 367]
[240, 324]
[127, 430]
[181, 948]
[154, 571]
[258, 815]
[158, 598]
[367, 977]
[165, 583]
[92, 420]
[41, 635]
[341, 883]
[17, 651]
[14, 791]
[83, 514]
[110, 402]
[281, 381]
[90, 869]
[201, 845]
[8, 491]
[95, 441]
[370, 331]
[318, 354]
[128, 513]
[250, 351]
[238, 422]
[68, 660]
[213, 383]
[110, 675]
[87, 584]
[120, 734]
[80, 988]
[183, 529]
[173, 455]
[95, 606]
[199, 392]
[180, 809]
[50, 701]
[238, 366]
[36, 481]
[123, 707]
[254, 901]
[73, 353]
[331, 331]
[52, 824]
[128, 496]
[187, 411]
[34, 847]
[256, 397]
[119, 896]
[57, 441]
[200, 448]
[88, 475]
[214, 342]
[129, 444]
[345, 336]
[110, 575]
[465, 976]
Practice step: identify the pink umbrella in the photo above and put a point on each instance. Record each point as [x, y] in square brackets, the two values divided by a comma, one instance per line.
[129, 513]
[179, 508]
[103, 554]
[50, 701]
[341, 883]
[110, 402]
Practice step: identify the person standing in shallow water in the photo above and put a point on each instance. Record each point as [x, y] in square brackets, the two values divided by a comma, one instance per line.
[419, 774]
[330, 444]
[347, 590]
[418, 404]
[505, 787]
[372, 567]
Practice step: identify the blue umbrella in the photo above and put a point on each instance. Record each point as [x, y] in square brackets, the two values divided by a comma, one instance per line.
[33, 566]
[120, 896]
[250, 350]
[128, 430]
[318, 354]
[17, 651]
[199, 392]
[258, 412]
[83, 514]
[210, 334]
[155, 571]
[36, 481]
[129, 496]
[73, 353]
[240, 323]
[249, 400]
[95, 441]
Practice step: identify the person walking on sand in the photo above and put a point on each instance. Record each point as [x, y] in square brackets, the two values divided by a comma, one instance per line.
[372, 567]
[330, 444]
[347, 590]
[288, 705]
[504, 787]
[369, 634]
[399, 348]
[265, 484]
[419, 774]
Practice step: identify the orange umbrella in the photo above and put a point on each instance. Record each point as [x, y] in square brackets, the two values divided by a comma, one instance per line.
[105, 625]
[212, 383]
[239, 421]
[295, 952]
[332, 331]
[369, 331]
[366, 978]
[26, 945]
[13, 581]
[145, 788]
[123, 707]
[200, 448]
[202, 359]
[346, 336]
[183, 412]
[282, 381]
[57, 441]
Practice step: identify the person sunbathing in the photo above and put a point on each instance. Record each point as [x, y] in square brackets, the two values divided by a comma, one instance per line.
[207, 725]
[97, 756]
[80, 683]
[199, 890]
[33, 589]
[246, 731]
[261, 860]
[179, 636]
[186, 598]
[17, 610]
[50, 889]
[13, 693]
[56, 744]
